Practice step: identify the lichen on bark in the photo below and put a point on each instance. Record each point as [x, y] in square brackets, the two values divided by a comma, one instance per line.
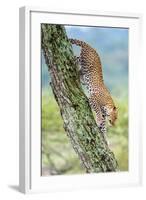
[79, 123]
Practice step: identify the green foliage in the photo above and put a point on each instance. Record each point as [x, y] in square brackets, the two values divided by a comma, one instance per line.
[58, 156]
[51, 119]
[118, 135]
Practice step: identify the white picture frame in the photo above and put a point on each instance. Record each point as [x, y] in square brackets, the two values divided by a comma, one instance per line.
[30, 176]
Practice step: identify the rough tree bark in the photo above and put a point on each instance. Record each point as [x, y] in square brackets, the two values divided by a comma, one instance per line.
[79, 123]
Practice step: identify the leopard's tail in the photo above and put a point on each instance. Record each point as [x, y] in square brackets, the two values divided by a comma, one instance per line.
[77, 42]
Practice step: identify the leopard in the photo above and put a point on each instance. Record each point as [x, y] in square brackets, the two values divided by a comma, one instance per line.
[91, 75]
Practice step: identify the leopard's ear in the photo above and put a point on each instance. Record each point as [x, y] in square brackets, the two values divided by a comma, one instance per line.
[114, 108]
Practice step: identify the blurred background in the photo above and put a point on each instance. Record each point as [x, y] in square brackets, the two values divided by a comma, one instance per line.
[58, 156]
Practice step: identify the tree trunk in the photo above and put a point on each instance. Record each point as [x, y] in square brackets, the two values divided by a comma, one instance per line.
[79, 123]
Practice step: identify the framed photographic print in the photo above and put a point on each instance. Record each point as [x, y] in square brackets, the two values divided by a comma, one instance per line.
[79, 108]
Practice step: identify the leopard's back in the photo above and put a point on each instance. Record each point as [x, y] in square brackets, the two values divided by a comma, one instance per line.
[100, 98]
[91, 65]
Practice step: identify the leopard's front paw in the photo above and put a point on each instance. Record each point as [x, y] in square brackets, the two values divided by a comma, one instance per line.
[102, 127]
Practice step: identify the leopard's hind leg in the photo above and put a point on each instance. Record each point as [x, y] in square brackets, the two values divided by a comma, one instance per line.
[77, 60]
[81, 73]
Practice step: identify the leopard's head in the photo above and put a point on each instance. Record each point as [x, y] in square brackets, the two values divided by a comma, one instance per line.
[112, 114]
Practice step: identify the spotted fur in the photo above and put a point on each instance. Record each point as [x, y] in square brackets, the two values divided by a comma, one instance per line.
[91, 75]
